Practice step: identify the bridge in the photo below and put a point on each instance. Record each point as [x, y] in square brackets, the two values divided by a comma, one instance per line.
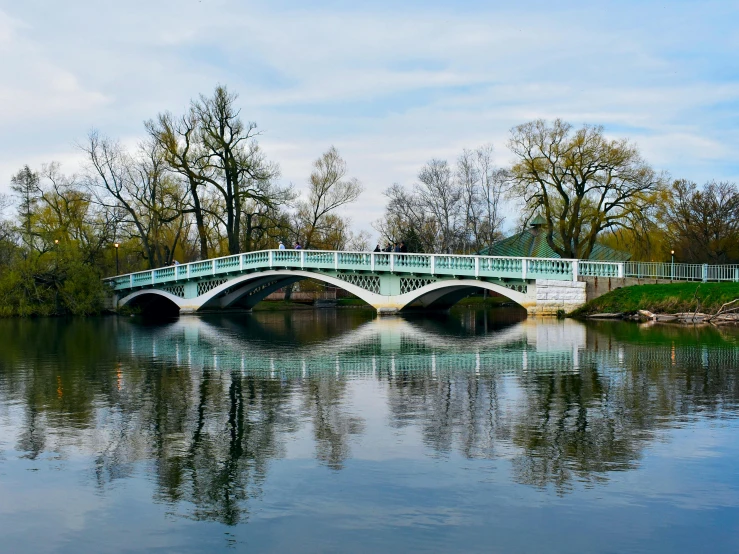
[389, 282]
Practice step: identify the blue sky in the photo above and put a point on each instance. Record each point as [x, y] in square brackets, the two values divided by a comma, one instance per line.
[390, 86]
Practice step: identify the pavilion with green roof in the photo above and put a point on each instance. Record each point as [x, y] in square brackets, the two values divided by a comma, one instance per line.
[532, 243]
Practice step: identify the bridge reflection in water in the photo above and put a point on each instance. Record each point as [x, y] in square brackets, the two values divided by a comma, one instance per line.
[384, 346]
[211, 401]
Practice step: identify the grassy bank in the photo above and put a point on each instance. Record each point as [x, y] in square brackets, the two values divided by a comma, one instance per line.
[664, 298]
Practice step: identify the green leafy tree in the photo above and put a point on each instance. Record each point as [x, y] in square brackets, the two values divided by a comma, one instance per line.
[581, 182]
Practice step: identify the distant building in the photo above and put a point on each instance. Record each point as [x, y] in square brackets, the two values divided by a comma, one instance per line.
[532, 243]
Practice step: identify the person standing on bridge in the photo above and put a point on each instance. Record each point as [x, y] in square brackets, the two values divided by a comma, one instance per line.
[377, 248]
[281, 246]
[297, 246]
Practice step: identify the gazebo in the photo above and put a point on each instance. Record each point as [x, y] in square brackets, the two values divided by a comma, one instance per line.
[532, 243]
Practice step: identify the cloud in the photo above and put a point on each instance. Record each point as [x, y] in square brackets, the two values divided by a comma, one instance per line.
[390, 86]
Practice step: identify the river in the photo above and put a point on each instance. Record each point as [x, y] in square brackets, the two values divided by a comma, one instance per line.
[338, 431]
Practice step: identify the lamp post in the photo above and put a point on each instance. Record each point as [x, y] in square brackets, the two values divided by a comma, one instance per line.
[116, 258]
[672, 265]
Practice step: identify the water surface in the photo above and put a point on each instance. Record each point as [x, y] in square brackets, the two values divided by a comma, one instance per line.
[336, 431]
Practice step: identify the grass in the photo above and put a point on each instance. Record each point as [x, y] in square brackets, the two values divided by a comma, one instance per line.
[663, 298]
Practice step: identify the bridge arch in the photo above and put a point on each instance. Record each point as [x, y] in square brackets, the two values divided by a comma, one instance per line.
[153, 302]
[247, 290]
[444, 294]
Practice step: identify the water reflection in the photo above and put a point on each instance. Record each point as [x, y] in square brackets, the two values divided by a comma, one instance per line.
[207, 403]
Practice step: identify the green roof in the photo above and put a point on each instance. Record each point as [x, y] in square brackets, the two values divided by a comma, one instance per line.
[538, 220]
[532, 243]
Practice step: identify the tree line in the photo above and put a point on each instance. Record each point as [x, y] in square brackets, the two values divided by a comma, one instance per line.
[589, 189]
[199, 185]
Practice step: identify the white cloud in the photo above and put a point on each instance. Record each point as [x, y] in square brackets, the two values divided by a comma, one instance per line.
[390, 87]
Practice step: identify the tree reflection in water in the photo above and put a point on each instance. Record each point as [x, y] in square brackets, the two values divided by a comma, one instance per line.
[207, 403]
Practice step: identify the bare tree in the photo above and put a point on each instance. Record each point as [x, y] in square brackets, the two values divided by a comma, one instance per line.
[213, 148]
[493, 186]
[468, 177]
[329, 190]
[265, 222]
[441, 196]
[702, 225]
[406, 220]
[240, 172]
[448, 211]
[359, 242]
[151, 201]
[178, 139]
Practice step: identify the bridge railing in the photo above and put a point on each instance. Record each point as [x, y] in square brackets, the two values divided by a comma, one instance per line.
[424, 264]
[682, 272]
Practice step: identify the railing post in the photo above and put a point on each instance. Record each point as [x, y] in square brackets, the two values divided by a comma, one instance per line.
[574, 270]
[302, 259]
[433, 264]
[392, 262]
[336, 261]
[270, 257]
[130, 280]
[705, 272]
[477, 267]
[241, 262]
[621, 270]
[524, 267]
[213, 266]
[372, 261]
[188, 271]
[153, 276]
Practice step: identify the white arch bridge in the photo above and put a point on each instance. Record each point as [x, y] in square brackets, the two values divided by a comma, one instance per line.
[387, 281]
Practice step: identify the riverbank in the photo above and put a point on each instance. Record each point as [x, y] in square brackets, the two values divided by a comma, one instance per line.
[662, 299]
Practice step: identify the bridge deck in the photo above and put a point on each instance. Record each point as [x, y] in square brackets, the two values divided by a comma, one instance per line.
[422, 264]
[381, 262]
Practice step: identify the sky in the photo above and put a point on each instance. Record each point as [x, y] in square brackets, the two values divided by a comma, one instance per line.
[390, 84]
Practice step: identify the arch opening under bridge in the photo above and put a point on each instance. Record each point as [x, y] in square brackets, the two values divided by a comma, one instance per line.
[245, 291]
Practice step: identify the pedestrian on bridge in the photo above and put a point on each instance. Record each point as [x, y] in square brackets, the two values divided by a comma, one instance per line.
[297, 246]
[281, 246]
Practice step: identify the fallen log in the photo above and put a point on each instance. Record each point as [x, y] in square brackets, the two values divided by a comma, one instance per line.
[724, 310]
[647, 314]
[665, 317]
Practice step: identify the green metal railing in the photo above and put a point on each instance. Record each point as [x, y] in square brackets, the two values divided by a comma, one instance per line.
[423, 264]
